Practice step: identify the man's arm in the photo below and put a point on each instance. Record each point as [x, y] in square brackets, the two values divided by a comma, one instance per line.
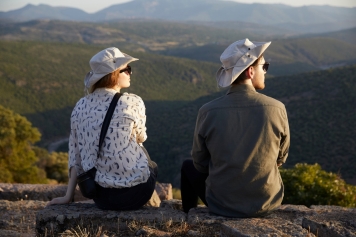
[285, 142]
[200, 153]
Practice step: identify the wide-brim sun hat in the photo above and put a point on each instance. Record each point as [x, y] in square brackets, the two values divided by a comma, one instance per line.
[236, 58]
[105, 62]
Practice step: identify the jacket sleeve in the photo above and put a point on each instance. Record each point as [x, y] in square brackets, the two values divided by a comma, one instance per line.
[200, 153]
[285, 141]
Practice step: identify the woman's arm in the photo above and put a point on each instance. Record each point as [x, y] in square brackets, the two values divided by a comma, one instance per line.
[70, 189]
[140, 122]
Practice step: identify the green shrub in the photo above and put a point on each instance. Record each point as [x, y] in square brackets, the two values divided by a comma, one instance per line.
[310, 185]
[176, 193]
[55, 165]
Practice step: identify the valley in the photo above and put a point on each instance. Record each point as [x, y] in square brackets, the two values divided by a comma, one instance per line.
[43, 63]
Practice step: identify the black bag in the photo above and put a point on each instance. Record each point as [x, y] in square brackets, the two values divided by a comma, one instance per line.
[86, 183]
[86, 180]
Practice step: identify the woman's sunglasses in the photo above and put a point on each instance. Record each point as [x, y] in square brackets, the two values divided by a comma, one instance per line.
[265, 66]
[128, 69]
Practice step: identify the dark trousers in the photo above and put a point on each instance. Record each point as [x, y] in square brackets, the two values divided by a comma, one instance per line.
[192, 185]
[128, 198]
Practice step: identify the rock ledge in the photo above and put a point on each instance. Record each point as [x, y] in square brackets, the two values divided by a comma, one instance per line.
[288, 220]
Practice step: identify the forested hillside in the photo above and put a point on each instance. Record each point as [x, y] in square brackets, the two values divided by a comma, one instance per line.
[43, 81]
[321, 109]
[287, 56]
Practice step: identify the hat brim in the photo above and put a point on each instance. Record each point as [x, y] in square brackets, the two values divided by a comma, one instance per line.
[93, 77]
[225, 77]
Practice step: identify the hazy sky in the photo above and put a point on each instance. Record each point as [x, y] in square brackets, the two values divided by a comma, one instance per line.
[94, 6]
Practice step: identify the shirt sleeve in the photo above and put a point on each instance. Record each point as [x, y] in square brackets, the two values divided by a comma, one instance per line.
[73, 152]
[285, 141]
[140, 122]
[200, 153]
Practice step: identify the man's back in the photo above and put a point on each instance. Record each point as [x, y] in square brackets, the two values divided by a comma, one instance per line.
[239, 139]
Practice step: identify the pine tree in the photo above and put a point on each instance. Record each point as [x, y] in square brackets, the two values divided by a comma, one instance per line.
[17, 158]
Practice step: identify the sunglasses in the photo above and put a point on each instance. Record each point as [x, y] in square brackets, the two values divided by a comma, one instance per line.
[128, 69]
[265, 66]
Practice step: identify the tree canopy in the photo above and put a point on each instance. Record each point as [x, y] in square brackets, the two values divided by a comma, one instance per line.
[17, 158]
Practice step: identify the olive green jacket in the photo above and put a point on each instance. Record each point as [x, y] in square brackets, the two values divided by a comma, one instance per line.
[239, 139]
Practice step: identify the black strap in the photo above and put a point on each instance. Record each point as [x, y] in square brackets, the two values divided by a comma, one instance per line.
[107, 119]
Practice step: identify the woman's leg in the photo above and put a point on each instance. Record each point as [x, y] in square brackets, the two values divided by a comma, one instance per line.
[192, 185]
[127, 198]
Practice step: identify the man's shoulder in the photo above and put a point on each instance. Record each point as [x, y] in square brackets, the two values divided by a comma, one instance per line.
[269, 101]
[257, 99]
[213, 104]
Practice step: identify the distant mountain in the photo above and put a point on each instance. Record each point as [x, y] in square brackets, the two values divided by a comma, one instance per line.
[42, 11]
[306, 19]
[206, 42]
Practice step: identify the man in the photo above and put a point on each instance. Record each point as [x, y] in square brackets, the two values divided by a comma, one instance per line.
[240, 140]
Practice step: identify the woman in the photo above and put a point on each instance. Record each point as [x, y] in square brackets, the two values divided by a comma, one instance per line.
[125, 174]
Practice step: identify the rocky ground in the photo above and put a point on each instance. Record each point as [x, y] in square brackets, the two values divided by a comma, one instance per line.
[162, 216]
[18, 218]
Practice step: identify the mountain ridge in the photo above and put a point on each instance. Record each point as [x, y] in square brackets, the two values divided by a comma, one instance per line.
[198, 42]
[306, 19]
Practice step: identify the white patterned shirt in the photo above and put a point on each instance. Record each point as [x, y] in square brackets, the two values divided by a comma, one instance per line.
[122, 162]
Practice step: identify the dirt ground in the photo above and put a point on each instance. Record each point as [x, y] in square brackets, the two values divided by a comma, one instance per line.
[18, 218]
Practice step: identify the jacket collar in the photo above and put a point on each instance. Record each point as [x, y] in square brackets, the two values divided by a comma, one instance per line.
[241, 88]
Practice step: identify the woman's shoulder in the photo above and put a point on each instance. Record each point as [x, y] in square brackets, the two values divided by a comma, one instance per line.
[79, 103]
[131, 98]
[79, 106]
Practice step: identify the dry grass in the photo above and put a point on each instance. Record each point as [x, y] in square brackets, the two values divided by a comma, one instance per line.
[140, 228]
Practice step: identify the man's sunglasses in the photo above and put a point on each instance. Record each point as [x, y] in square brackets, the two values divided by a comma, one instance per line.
[128, 69]
[265, 66]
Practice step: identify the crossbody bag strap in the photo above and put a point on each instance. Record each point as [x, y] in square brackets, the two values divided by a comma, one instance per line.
[107, 119]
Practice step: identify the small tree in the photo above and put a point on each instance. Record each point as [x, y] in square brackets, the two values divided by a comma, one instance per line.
[17, 158]
[310, 185]
[55, 164]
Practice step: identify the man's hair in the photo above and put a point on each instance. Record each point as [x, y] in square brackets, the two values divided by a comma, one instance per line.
[242, 76]
[107, 81]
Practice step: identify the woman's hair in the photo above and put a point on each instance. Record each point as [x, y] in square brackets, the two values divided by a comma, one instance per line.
[107, 81]
[242, 76]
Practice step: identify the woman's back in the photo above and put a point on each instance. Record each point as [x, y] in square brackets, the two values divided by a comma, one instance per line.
[122, 162]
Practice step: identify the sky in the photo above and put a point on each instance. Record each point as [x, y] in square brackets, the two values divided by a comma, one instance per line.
[94, 6]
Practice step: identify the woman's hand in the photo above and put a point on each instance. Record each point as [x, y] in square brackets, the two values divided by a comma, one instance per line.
[59, 200]
[70, 189]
